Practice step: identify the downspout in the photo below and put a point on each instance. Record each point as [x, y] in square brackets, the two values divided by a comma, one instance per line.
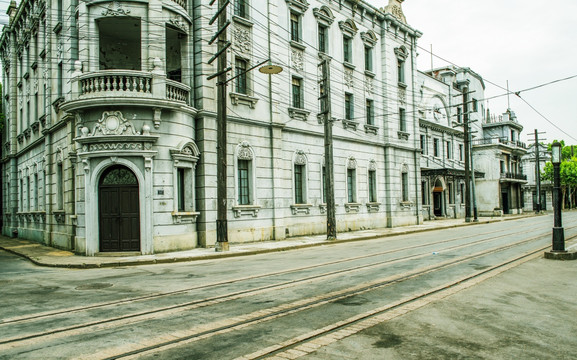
[271, 129]
[415, 129]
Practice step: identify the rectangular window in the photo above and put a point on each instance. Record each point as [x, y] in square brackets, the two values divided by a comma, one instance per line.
[351, 181]
[448, 149]
[324, 176]
[347, 49]
[59, 187]
[474, 105]
[295, 27]
[401, 71]
[405, 186]
[322, 98]
[451, 193]
[297, 93]
[60, 80]
[402, 120]
[461, 156]
[370, 113]
[436, 147]
[323, 39]
[243, 182]
[241, 8]
[299, 184]
[180, 188]
[424, 193]
[59, 10]
[459, 115]
[368, 58]
[28, 197]
[240, 73]
[462, 193]
[423, 144]
[502, 166]
[36, 192]
[372, 186]
[184, 189]
[349, 107]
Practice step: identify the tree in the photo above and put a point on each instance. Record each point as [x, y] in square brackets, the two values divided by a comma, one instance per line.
[567, 172]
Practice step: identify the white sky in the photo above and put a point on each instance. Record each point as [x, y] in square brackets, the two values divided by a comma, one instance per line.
[527, 42]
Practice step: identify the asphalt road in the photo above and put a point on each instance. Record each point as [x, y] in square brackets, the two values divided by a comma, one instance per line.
[227, 308]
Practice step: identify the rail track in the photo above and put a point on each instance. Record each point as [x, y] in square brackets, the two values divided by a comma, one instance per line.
[204, 331]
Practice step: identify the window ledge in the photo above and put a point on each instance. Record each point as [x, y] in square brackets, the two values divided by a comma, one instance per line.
[34, 65]
[369, 73]
[43, 53]
[403, 135]
[243, 99]
[240, 210]
[299, 114]
[301, 209]
[35, 126]
[26, 75]
[402, 85]
[406, 204]
[242, 21]
[59, 216]
[371, 129]
[352, 207]
[373, 206]
[323, 208]
[184, 217]
[349, 65]
[297, 45]
[350, 124]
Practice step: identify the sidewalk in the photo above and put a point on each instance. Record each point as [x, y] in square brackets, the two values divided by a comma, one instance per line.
[47, 256]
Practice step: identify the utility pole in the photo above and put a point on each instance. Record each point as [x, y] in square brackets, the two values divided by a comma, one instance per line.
[325, 100]
[538, 206]
[466, 130]
[221, 166]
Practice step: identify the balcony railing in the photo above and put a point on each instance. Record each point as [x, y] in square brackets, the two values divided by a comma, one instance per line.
[117, 81]
[121, 85]
[513, 176]
[500, 140]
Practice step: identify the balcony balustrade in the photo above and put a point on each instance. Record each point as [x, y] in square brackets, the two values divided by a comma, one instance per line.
[126, 87]
[513, 176]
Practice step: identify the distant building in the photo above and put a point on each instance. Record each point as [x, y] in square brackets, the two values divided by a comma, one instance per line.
[530, 188]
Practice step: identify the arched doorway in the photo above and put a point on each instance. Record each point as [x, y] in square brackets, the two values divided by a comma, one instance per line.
[118, 210]
[438, 198]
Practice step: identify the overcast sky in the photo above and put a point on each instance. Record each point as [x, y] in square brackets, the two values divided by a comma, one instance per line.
[528, 42]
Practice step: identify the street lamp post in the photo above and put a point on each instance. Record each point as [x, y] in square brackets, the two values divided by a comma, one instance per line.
[558, 233]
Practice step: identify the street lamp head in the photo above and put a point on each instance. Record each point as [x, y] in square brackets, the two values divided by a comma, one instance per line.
[270, 69]
[556, 153]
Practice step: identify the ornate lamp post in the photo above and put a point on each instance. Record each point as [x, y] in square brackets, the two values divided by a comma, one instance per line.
[558, 234]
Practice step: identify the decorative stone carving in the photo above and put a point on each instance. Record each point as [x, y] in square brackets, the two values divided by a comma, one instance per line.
[394, 8]
[402, 95]
[242, 39]
[372, 165]
[349, 78]
[115, 9]
[297, 59]
[179, 24]
[115, 146]
[351, 163]
[300, 158]
[245, 152]
[113, 123]
[369, 85]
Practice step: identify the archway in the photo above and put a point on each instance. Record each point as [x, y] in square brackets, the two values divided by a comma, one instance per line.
[118, 210]
[438, 198]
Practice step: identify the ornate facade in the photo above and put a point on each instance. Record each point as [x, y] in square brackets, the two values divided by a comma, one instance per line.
[109, 141]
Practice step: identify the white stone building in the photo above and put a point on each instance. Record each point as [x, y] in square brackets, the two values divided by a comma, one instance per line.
[109, 143]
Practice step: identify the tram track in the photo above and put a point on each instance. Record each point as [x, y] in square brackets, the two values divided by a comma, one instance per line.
[211, 329]
[210, 301]
[48, 314]
[280, 311]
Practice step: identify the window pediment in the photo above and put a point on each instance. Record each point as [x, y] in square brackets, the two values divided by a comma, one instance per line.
[369, 38]
[299, 6]
[324, 15]
[401, 53]
[348, 27]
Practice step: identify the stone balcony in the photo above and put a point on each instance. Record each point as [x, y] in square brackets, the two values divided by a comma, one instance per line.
[125, 88]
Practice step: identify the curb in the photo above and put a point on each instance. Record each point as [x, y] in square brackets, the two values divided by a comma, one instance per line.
[39, 262]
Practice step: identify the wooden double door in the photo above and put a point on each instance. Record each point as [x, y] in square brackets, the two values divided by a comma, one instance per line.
[119, 210]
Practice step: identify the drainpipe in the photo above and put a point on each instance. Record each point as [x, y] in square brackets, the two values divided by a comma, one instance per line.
[271, 131]
[415, 131]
